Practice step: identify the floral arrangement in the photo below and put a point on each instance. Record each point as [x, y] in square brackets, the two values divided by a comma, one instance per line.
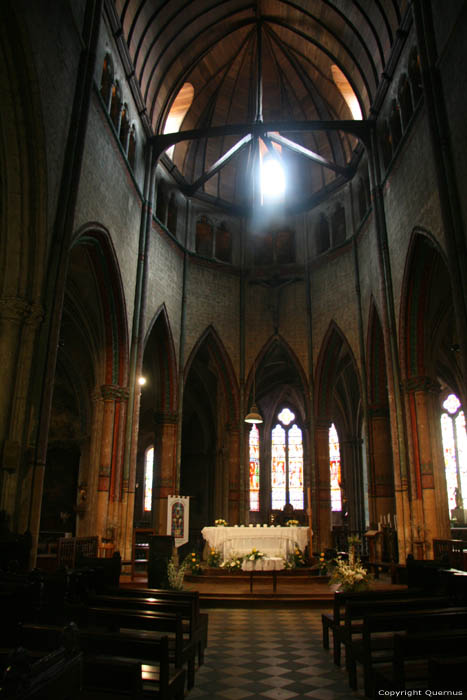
[232, 564]
[254, 555]
[324, 564]
[214, 558]
[350, 576]
[193, 562]
[175, 574]
[292, 523]
[296, 558]
[220, 522]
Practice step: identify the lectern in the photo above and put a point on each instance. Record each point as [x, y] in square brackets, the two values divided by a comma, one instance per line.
[160, 552]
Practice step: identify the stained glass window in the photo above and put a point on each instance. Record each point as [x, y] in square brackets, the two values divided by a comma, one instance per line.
[286, 463]
[454, 435]
[254, 468]
[148, 472]
[335, 467]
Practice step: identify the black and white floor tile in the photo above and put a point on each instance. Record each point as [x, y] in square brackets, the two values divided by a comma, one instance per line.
[268, 654]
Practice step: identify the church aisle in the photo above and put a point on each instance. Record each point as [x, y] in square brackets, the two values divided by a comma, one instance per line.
[269, 653]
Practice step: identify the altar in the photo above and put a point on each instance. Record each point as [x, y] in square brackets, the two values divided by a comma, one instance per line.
[272, 541]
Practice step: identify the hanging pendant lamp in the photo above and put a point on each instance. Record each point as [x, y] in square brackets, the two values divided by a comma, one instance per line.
[254, 416]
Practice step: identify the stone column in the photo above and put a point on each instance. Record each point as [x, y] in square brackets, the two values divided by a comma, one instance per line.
[323, 537]
[233, 476]
[165, 467]
[429, 512]
[381, 479]
[109, 470]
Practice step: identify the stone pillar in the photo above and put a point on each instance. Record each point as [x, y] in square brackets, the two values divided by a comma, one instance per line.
[233, 476]
[323, 537]
[351, 452]
[165, 468]
[109, 469]
[14, 313]
[381, 479]
[429, 511]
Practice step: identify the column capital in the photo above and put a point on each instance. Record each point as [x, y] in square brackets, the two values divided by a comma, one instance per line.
[113, 392]
[421, 383]
[14, 309]
[161, 418]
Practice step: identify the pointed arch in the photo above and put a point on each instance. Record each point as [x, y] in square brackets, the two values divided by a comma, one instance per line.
[277, 365]
[426, 304]
[376, 358]
[336, 376]
[224, 369]
[162, 362]
[98, 243]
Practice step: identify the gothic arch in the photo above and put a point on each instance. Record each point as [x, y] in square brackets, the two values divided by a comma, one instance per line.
[162, 362]
[223, 366]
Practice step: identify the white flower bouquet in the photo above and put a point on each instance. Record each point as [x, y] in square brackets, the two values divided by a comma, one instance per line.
[253, 555]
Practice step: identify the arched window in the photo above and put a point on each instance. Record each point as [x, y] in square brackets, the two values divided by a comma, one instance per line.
[322, 238]
[254, 468]
[395, 124]
[415, 75]
[124, 128]
[286, 462]
[148, 477]
[204, 237]
[161, 203]
[405, 101]
[132, 147]
[455, 451]
[107, 78]
[338, 226]
[172, 215]
[335, 469]
[386, 144]
[223, 244]
[116, 106]
[178, 110]
[284, 247]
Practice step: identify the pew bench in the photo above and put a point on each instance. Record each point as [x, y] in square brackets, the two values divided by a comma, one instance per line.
[333, 621]
[409, 667]
[53, 676]
[185, 603]
[375, 648]
[143, 624]
[130, 667]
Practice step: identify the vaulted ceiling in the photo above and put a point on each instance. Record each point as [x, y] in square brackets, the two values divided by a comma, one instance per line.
[266, 61]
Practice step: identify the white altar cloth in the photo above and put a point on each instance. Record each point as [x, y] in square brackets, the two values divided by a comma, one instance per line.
[264, 564]
[271, 541]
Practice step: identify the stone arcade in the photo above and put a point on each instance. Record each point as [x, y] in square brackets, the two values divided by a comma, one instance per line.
[136, 241]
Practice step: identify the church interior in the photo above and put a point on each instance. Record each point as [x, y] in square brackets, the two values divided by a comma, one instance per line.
[233, 270]
[233, 295]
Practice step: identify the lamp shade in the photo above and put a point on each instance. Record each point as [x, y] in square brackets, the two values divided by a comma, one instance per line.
[254, 415]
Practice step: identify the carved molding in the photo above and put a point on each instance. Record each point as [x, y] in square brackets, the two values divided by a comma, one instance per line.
[422, 384]
[113, 392]
[21, 311]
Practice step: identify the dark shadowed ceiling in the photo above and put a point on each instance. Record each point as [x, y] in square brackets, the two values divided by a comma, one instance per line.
[264, 61]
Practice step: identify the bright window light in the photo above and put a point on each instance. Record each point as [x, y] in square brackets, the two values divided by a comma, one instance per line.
[346, 91]
[180, 107]
[272, 179]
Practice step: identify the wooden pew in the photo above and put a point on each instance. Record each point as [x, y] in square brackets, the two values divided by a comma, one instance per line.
[195, 622]
[447, 673]
[333, 621]
[409, 669]
[49, 676]
[125, 664]
[375, 647]
[144, 664]
[142, 624]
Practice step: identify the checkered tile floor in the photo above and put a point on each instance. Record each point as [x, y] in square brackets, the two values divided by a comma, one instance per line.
[271, 653]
